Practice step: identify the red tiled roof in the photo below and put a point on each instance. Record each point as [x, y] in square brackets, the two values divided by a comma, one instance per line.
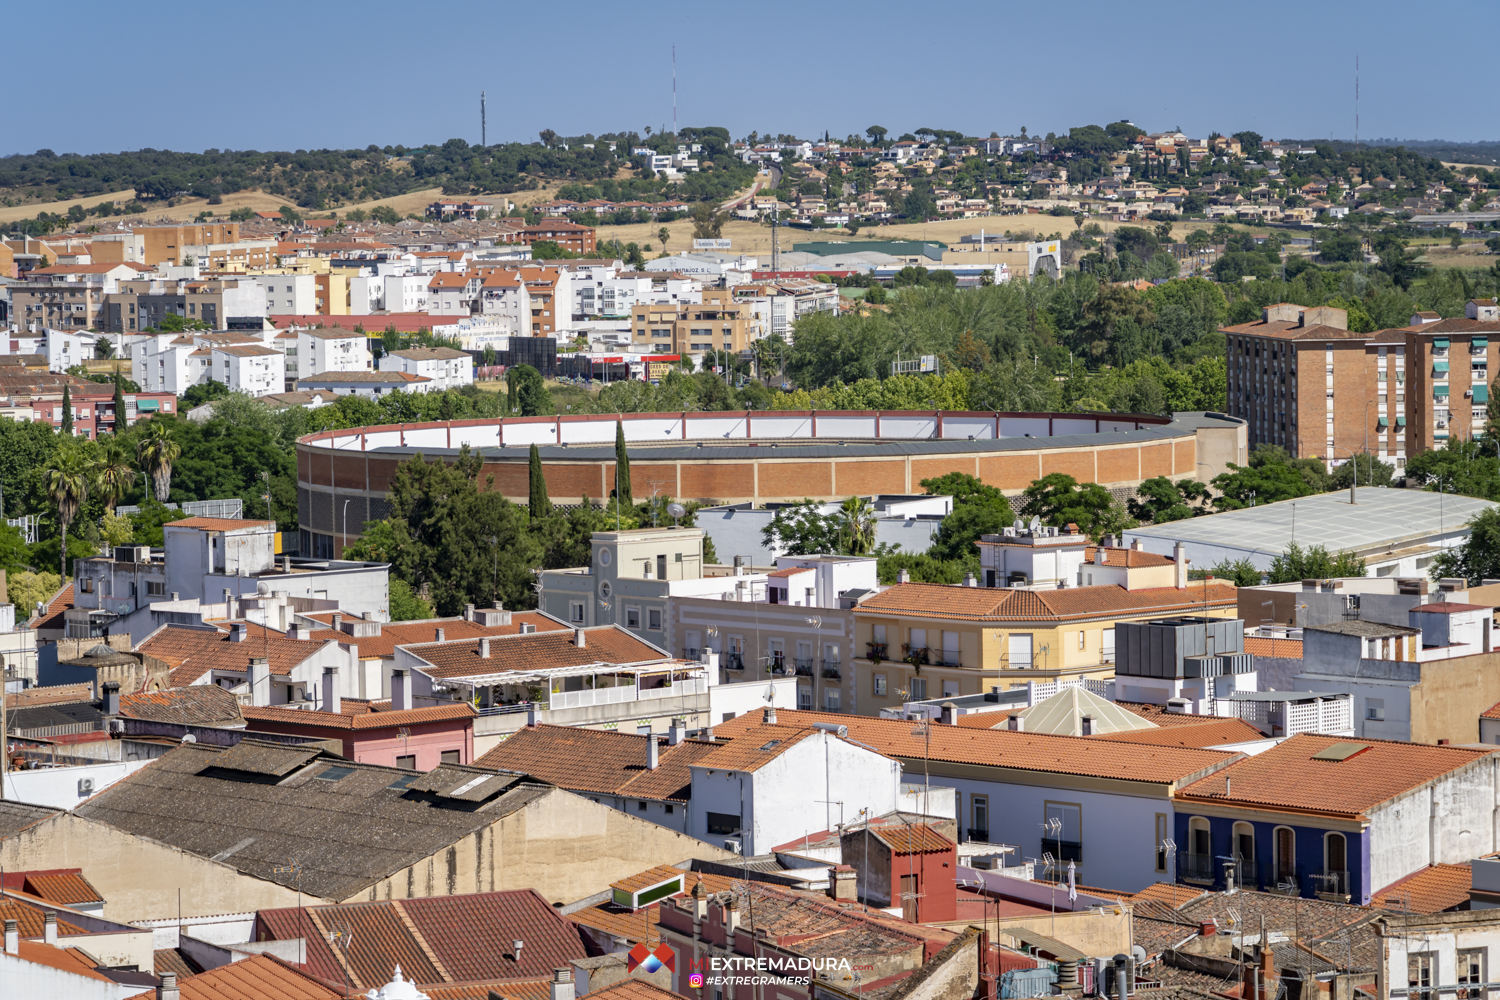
[199, 704]
[1288, 649]
[616, 762]
[443, 939]
[536, 651]
[393, 634]
[640, 925]
[1127, 557]
[193, 651]
[364, 720]
[1001, 748]
[1288, 776]
[1209, 733]
[919, 838]
[220, 523]
[66, 888]
[635, 989]
[31, 920]
[60, 602]
[70, 960]
[1428, 890]
[1170, 893]
[255, 978]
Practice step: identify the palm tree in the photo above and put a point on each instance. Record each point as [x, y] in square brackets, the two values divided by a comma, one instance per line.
[68, 481]
[156, 451]
[113, 470]
[662, 234]
[858, 528]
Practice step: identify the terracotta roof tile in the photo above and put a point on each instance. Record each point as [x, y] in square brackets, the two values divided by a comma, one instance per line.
[254, 978]
[1159, 715]
[1081, 755]
[1290, 776]
[536, 651]
[1170, 893]
[31, 919]
[986, 604]
[194, 650]
[70, 960]
[601, 761]
[919, 838]
[173, 960]
[756, 745]
[364, 720]
[1127, 557]
[221, 523]
[60, 602]
[640, 925]
[64, 888]
[635, 989]
[1428, 890]
[201, 704]
[1289, 649]
[393, 634]
[1209, 733]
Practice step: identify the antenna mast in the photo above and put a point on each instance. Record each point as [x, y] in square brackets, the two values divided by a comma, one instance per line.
[1356, 103]
[674, 89]
[483, 138]
[775, 238]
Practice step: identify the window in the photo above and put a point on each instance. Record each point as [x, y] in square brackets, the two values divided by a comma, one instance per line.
[879, 685]
[804, 699]
[830, 700]
[1419, 969]
[155, 588]
[1284, 870]
[449, 757]
[653, 619]
[632, 617]
[409, 762]
[723, 823]
[1162, 823]
[1066, 844]
[918, 689]
[641, 806]
[1470, 967]
[1375, 709]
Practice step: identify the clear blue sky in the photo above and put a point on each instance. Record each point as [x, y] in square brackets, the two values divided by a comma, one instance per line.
[280, 75]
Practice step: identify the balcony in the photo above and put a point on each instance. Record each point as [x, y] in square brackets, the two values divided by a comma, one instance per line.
[831, 670]
[978, 835]
[804, 666]
[689, 653]
[946, 658]
[778, 664]
[1331, 885]
[875, 651]
[1280, 877]
[916, 657]
[1196, 868]
[735, 661]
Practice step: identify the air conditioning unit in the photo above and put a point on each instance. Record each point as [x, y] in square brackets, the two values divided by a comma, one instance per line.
[85, 787]
[732, 846]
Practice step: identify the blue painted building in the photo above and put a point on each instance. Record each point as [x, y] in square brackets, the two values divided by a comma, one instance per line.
[1324, 816]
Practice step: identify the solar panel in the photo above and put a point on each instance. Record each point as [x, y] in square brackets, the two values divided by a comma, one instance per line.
[403, 781]
[1340, 751]
[334, 773]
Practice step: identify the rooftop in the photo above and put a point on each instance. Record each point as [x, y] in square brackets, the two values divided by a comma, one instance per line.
[535, 651]
[1330, 775]
[616, 761]
[357, 720]
[253, 978]
[200, 704]
[929, 600]
[1382, 517]
[1428, 890]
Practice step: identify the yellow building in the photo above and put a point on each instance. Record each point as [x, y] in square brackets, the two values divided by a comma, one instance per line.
[718, 323]
[333, 293]
[916, 641]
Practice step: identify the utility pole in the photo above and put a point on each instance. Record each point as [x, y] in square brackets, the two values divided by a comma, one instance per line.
[483, 136]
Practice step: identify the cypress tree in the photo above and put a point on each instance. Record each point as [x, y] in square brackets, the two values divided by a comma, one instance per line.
[67, 405]
[120, 421]
[622, 466]
[541, 504]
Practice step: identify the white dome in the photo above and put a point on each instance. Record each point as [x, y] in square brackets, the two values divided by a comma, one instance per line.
[397, 989]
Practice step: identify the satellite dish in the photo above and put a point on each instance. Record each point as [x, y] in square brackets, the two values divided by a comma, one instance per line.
[1036, 523]
[770, 693]
[1019, 524]
[677, 511]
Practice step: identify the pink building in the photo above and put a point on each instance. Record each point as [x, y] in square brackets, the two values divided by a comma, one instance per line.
[374, 733]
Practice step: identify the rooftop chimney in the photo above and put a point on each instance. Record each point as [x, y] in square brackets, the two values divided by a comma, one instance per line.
[903, 577]
[1138, 545]
[400, 691]
[843, 884]
[468, 612]
[331, 690]
[49, 928]
[1017, 723]
[111, 698]
[580, 638]
[562, 984]
[731, 916]
[770, 715]
[338, 622]
[442, 635]
[947, 717]
[484, 648]
[970, 580]
[238, 632]
[653, 753]
[676, 733]
[1179, 556]
[176, 595]
[168, 988]
[286, 564]
[260, 681]
[12, 937]
[1177, 706]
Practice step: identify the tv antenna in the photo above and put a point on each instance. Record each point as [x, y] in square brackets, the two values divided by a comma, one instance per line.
[674, 89]
[1356, 103]
[483, 136]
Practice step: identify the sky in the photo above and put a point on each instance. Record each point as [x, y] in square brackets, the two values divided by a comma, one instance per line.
[284, 76]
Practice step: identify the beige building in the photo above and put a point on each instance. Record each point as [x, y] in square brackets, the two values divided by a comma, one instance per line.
[207, 823]
[718, 323]
[170, 244]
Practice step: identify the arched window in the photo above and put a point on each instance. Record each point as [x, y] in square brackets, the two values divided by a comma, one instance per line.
[1243, 848]
[1284, 864]
[1199, 862]
[1335, 864]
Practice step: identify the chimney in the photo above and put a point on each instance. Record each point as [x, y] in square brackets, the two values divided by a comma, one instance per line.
[400, 691]
[1177, 706]
[176, 595]
[1138, 545]
[700, 900]
[331, 690]
[1207, 928]
[903, 577]
[338, 622]
[111, 698]
[49, 928]
[442, 635]
[970, 580]
[1108, 541]
[286, 564]
[580, 638]
[843, 884]
[947, 717]
[731, 917]
[468, 612]
[12, 937]
[653, 753]
[260, 681]
[769, 717]
[676, 733]
[168, 988]
[1017, 724]
[484, 648]
[238, 632]
[562, 984]
[532, 715]
[1179, 557]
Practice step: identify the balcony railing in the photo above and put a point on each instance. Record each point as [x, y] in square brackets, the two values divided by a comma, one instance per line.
[735, 661]
[689, 653]
[804, 666]
[875, 651]
[831, 670]
[979, 835]
[947, 658]
[778, 663]
[915, 656]
[1330, 883]
[1197, 867]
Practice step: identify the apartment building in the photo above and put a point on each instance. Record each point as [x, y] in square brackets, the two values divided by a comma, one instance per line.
[221, 303]
[776, 305]
[549, 295]
[332, 349]
[94, 408]
[717, 323]
[446, 367]
[453, 293]
[505, 295]
[1398, 392]
[250, 368]
[568, 235]
[67, 296]
[605, 292]
[172, 244]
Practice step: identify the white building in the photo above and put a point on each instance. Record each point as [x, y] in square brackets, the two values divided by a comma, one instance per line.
[446, 367]
[369, 384]
[169, 362]
[252, 369]
[330, 349]
[406, 293]
[706, 265]
[64, 349]
[296, 294]
[605, 293]
[505, 298]
[453, 293]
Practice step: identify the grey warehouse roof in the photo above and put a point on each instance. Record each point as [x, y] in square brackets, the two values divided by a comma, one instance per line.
[1383, 518]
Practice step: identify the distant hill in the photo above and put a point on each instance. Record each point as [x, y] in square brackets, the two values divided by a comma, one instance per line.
[1487, 153]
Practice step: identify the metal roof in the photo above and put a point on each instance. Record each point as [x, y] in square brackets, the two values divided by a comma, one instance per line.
[1382, 517]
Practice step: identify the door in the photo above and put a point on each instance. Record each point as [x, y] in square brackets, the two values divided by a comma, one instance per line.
[909, 897]
[1020, 651]
[1286, 856]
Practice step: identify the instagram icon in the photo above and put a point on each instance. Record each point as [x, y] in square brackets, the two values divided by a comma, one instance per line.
[696, 980]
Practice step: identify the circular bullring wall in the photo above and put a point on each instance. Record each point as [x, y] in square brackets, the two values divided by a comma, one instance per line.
[757, 456]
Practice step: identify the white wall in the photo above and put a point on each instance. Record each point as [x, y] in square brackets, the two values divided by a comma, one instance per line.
[1451, 821]
[58, 786]
[32, 979]
[741, 697]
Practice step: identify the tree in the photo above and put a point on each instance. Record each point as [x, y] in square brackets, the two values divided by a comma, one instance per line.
[541, 504]
[877, 134]
[1058, 500]
[1240, 572]
[622, 464]
[1371, 472]
[28, 589]
[113, 471]
[1341, 246]
[1478, 558]
[707, 224]
[67, 408]
[802, 529]
[662, 235]
[116, 530]
[203, 392]
[406, 606]
[384, 214]
[857, 526]
[1159, 500]
[156, 450]
[1314, 563]
[1395, 260]
[68, 482]
[1492, 409]
[531, 394]
[122, 420]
